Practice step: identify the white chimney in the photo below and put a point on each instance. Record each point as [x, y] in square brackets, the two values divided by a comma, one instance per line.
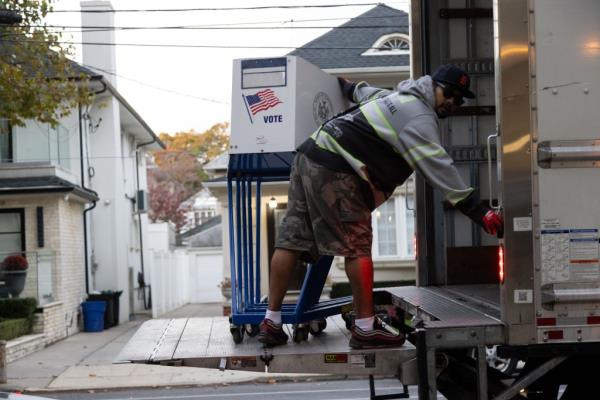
[100, 56]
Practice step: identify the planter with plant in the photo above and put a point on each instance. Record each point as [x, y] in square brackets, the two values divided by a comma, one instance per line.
[225, 286]
[14, 270]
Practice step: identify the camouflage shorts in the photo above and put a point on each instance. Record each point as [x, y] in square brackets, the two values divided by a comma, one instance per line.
[327, 213]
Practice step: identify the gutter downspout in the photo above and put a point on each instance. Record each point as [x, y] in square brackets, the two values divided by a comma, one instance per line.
[137, 183]
[90, 208]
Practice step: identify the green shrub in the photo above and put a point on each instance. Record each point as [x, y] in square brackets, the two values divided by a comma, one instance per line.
[342, 289]
[17, 308]
[13, 328]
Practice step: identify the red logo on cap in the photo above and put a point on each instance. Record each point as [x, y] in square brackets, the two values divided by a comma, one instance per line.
[464, 80]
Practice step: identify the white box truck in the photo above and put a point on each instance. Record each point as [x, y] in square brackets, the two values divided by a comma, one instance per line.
[489, 318]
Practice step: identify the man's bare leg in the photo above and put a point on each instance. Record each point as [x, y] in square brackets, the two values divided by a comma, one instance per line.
[360, 274]
[367, 331]
[283, 265]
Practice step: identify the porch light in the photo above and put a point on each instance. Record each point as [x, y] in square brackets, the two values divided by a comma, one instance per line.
[273, 203]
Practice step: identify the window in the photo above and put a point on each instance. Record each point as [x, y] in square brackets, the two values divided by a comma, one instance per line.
[410, 233]
[387, 45]
[5, 141]
[12, 231]
[40, 142]
[386, 229]
[393, 230]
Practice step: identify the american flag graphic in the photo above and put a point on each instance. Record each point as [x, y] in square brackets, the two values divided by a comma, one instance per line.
[261, 101]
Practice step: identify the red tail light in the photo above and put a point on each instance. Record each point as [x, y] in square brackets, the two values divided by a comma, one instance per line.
[501, 263]
[555, 335]
[414, 243]
[547, 321]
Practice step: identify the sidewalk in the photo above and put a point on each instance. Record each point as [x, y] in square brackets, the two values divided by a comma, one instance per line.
[84, 361]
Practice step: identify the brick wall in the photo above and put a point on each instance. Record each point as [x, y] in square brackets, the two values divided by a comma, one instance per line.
[51, 322]
[71, 275]
[63, 235]
[23, 346]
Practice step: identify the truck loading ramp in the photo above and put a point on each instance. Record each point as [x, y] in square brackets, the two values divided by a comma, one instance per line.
[455, 315]
[207, 343]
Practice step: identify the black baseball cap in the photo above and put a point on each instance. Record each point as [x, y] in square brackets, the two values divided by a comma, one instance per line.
[456, 77]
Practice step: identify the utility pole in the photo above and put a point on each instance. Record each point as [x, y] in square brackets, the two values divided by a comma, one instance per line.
[10, 17]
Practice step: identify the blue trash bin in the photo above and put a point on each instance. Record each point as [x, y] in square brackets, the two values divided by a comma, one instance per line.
[93, 315]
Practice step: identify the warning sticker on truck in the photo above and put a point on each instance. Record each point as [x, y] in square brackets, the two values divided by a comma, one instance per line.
[570, 255]
[336, 358]
[362, 360]
[555, 255]
[584, 254]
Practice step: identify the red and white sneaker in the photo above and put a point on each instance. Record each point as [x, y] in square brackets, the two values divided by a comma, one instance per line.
[382, 335]
[271, 334]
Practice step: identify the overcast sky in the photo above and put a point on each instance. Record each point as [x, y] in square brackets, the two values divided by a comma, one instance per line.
[204, 75]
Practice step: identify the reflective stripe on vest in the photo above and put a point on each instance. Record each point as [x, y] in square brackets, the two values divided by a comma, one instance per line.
[324, 140]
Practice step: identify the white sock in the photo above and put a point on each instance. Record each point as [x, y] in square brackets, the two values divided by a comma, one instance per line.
[365, 324]
[274, 316]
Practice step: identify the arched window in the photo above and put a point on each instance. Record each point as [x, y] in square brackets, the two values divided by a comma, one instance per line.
[391, 44]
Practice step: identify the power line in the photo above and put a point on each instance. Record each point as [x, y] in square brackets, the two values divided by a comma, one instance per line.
[192, 46]
[156, 87]
[109, 28]
[287, 21]
[226, 8]
[220, 26]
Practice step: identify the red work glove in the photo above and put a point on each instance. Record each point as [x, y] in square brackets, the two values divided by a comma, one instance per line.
[493, 223]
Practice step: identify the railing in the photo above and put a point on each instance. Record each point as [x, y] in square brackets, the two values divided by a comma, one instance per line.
[39, 280]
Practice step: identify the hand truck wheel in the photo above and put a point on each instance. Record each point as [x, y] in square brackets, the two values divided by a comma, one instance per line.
[252, 330]
[300, 332]
[317, 326]
[348, 319]
[237, 332]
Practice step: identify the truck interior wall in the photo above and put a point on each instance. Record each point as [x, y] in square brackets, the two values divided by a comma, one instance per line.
[453, 250]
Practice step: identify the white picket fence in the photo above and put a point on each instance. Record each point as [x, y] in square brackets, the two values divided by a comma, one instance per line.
[184, 276]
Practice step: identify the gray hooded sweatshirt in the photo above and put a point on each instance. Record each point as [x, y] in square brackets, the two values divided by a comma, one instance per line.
[387, 137]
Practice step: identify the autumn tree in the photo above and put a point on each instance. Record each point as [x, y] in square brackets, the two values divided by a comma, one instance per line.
[37, 79]
[177, 172]
[170, 184]
[205, 146]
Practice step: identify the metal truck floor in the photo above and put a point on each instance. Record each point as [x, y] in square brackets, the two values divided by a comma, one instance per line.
[451, 306]
[207, 342]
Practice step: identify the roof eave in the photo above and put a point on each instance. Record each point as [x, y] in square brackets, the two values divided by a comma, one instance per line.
[369, 70]
[154, 139]
[81, 193]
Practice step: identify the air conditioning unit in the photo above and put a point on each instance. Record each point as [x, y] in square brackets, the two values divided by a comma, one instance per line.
[277, 103]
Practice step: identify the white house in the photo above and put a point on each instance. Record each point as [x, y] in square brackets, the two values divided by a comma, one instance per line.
[203, 207]
[118, 137]
[69, 197]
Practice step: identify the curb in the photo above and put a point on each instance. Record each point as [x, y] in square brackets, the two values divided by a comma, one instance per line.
[260, 380]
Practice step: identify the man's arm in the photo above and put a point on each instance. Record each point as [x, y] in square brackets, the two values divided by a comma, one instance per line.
[428, 158]
[361, 91]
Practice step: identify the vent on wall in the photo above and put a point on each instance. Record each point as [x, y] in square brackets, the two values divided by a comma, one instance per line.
[142, 201]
